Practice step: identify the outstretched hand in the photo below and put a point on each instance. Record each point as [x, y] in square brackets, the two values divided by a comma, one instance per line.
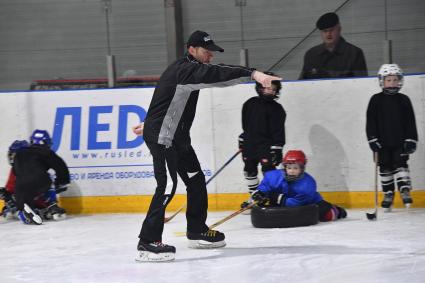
[138, 130]
[264, 79]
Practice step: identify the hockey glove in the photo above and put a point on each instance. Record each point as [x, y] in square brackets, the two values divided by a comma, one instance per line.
[409, 146]
[61, 188]
[277, 199]
[374, 145]
[276, 154]
[241, 140]
[260, 198]
[5, 195]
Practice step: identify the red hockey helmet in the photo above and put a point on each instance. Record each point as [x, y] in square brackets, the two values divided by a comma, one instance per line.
[295, 157]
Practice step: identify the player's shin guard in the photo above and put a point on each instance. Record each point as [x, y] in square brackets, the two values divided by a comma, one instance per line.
[252, 182]
[404, 185]
[388, 187]
[387, 180]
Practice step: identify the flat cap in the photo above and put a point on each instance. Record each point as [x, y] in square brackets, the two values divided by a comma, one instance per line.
[327, 20]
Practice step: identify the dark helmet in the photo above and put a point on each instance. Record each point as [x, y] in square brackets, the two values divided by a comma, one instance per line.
[260, 89]
[14, 147]
[41, 137]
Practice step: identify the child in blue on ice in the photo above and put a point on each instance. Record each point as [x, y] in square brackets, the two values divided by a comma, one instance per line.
[292, 186]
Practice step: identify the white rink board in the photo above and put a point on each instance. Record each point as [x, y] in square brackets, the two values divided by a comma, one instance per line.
[325, 118]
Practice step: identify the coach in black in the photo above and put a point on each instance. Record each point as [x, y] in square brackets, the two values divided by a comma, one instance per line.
[166, 131]
[335, 57]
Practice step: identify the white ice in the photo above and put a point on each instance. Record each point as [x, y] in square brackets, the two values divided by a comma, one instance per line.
[102, 248]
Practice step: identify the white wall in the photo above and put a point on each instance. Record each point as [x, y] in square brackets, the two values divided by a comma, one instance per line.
[325, 118]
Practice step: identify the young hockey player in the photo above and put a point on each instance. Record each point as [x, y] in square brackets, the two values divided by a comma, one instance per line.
[263, 137]
[391, 132]
[33, 182]
[7, 194]
[292, 186]
[45, 203]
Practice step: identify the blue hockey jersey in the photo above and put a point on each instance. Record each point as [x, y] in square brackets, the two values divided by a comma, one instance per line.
[297, 193]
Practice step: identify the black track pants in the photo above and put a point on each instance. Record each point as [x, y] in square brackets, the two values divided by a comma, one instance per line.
[180, 160]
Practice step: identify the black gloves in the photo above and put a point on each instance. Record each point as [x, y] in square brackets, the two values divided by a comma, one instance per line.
[276, 154]
[61, 188]
[260, 198]
[241, 139]
[374, 145]
[277, 199]
[409, 146]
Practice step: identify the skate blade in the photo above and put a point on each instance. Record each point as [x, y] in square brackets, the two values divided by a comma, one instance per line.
[34, 216]
[201, 244]
[407, 205]
[145, 256]
[59, 217]
[388, 209]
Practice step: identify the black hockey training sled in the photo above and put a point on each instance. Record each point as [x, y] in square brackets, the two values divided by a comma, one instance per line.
[284, 217]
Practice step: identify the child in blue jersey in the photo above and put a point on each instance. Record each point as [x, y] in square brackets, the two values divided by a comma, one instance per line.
[292, 186]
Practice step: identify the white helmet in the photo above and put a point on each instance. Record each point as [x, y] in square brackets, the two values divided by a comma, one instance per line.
[390, 70]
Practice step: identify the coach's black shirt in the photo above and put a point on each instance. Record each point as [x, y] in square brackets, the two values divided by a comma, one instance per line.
[346, 60]
[173, 105]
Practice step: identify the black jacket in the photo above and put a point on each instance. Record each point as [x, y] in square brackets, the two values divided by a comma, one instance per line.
[31, 165]
[263, 123]
[346, 60]
[173, 106]
[391, 119]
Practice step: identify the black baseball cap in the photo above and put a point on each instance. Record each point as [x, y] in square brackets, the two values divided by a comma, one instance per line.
[327, 20]
[202, 39]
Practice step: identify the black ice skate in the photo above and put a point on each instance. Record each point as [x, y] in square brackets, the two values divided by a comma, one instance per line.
[53, 212]
[208, 240]
[155, 251]
[28, 216]
[405, 196]
[388, 201]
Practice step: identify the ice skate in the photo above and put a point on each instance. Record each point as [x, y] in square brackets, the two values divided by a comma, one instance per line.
[155, 251]
[208, 240]
[405, 196]
[28, 216]
[9, 211]
[53, 212]
[388, 201]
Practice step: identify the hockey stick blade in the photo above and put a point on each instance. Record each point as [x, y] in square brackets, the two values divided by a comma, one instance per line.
[371, 216]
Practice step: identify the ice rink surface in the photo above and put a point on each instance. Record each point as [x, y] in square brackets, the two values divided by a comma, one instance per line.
[102, 248]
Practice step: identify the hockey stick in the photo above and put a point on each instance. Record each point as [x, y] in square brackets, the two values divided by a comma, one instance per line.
[374, 215]
[236, 213]
[167, 219]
